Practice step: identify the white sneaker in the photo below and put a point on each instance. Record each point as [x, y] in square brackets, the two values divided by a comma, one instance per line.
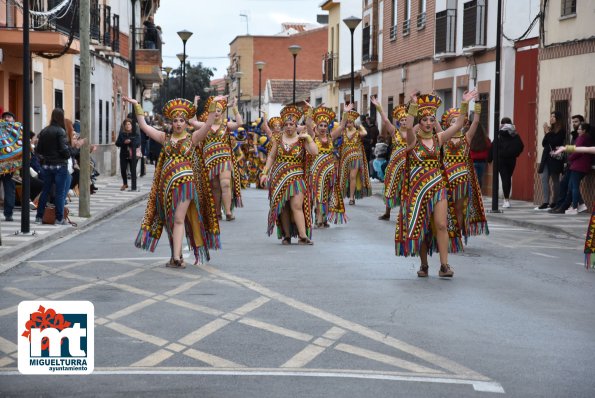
[506, 204]
[571, 211]
[582, 207]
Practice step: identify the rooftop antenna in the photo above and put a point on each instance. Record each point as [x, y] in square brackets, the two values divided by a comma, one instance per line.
[243, 14]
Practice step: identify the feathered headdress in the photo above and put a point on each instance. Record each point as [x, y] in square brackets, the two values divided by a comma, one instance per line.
[427, 105]
[221, 104]
[323, 114]
[399, 112]
[291, 112]
[179, 107]
[448, 116]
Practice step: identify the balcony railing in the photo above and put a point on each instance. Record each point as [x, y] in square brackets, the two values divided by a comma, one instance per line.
[474, 24]
[446, 22]
[393, 32]
[328, 67]
[67, 22]
[421, 21]
[406, 27]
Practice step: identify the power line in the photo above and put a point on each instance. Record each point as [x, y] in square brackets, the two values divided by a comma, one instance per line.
[174, 56]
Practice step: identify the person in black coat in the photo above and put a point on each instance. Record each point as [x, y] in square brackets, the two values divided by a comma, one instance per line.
[510, 146]
[550, 166]
[128, 140]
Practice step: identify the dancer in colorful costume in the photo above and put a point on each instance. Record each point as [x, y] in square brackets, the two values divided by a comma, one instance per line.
[590, 238]
[325, 189]
[423, 223]
[220, 161]
[180, 199]
[289, 195]
[463, 186]
[354, 176]
[393, 175]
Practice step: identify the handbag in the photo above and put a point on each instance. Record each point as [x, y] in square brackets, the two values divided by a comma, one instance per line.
[49, 215]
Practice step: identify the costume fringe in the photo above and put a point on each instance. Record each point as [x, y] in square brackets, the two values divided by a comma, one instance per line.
[293, 189]
[337, 218]
[145, 241]
[589, 261]
[392, 202]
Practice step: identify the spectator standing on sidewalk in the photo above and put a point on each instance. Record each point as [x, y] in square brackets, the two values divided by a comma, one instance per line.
[580, 164]
[551, 166]
[127, 141]
[11, 134]
[510, 146]
[53, 153]
[480, 151]
[565, 197]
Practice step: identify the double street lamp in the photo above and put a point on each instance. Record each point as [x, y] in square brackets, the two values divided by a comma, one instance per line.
[167, 70]
[294, 50]
[184, 35]
[352, 23]
[259, 66]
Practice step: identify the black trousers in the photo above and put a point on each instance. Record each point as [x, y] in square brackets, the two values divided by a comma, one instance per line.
[126, 163]
[505, 169]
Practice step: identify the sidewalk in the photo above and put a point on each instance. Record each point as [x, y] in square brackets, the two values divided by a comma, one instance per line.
[522, 214]
[107, 201]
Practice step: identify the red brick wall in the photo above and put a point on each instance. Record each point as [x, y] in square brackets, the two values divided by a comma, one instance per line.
[418, 44]
[279, 62]
[124, 46]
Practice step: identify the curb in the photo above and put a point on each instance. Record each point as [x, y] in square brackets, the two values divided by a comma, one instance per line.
[27, 247]
[532, 225]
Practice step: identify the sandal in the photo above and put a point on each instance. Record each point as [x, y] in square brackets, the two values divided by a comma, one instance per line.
[173, 263]
[445, 271]
[351, 202]
[326, 225]
[423, 271]
[229, 217]
[305, 241]
[384, 217]
[286, 240]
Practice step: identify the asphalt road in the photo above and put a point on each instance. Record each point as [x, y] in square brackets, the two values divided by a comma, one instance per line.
[343, 318]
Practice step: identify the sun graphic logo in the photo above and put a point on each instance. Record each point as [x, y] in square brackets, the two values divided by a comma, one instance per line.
[56, 337]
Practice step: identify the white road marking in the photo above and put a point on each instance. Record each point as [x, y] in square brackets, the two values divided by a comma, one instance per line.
[543, 255]
[130, 309]
[202, 332]
[478, 385]
[7, 346]
[211, 359]
[137, 334]
[154, 359]
[304, 357]
[100, 259]
[269, 327]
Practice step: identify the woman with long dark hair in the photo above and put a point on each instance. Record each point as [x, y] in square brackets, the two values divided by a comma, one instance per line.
[551, 166]
[53, 152]
[480, 149]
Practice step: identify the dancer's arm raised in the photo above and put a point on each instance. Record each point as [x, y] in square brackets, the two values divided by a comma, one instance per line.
[150, 131]
[239, 121]
[201, 133]
[390, 128]
[447, 134]
[475, 122]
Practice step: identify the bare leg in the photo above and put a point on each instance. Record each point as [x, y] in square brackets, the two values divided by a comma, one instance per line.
[352, 183]
[225, 184]
[216, 187]
[178, 232]
[459, 206]
[286, 221]
[440, 221]
[296, 203]
[423, 254]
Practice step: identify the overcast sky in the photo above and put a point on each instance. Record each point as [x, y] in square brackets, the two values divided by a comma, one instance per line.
[216, 23]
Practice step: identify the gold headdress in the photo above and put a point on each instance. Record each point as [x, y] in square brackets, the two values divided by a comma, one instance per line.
[274, 120]
[427, 105]
[352, 116]
[323, 114]
[448, 116]
[291, 112]
[399, 112]
[221, 104]
[179, 107]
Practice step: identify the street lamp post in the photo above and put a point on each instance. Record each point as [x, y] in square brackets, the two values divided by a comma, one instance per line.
[227, 92]
[184, 35]
[238, 76]
[294, 50]
[182, 58]
[167, 70]
[352, 23]
[259, 66]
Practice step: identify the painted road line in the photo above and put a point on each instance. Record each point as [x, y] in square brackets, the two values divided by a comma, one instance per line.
[128, 274]
[211, 359]
[304, 357]
[154, 359]
[195, 307]
[21, 293]
[183, 287]
[276, 329]
[91, 260]
[251, 306]
[136, 334]
[203, 332]
[383, 358]
[434, 359]
[7, 346]
[132, 289]
[76, 289]
[543, 255]
[5, 361]
[130, 309]
[478, 385]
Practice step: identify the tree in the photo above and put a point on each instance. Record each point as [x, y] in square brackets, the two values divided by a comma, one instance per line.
[198, 80]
